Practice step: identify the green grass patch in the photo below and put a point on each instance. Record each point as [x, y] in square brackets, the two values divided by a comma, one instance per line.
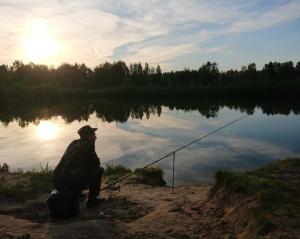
[151, 175]
[27, 183]
[264, 224]
[115, 172]
[150, 171]
[41, 179]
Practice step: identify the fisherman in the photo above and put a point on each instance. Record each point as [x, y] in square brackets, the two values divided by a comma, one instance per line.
[79, 168]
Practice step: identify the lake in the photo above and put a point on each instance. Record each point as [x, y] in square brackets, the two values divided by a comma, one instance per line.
[134, 134]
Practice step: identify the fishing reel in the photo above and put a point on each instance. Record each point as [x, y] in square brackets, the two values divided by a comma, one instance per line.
[116, 187]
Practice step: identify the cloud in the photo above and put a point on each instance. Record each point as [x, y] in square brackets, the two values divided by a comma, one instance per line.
[159, 54]
[86, 34]
[158, 123]
[155, 31]
[278, 15]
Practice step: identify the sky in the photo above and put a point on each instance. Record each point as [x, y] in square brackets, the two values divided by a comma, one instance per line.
[176, 34]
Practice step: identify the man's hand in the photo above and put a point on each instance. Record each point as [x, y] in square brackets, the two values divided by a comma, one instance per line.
[101, 170]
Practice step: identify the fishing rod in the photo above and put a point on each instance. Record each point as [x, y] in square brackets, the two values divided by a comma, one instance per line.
[112, 185]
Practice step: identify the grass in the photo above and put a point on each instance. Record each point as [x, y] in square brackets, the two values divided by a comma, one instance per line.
[150, 171]
[277, 188]
[41, 179]
[115, 172]
[27, 183]
[151, 175]
[4, 168]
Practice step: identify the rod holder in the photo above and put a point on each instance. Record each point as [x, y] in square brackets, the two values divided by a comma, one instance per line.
[173, 178]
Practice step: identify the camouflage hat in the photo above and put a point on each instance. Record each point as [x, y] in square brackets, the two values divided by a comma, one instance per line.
[85, 130]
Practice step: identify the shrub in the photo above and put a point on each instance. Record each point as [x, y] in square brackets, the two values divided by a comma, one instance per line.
[151, 175]
[115, 172]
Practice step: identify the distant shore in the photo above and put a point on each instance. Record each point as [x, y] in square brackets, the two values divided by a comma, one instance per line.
[34, 82]
[50, 94]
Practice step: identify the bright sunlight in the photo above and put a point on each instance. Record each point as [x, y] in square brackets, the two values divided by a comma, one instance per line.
[47, 130]
[39, 44]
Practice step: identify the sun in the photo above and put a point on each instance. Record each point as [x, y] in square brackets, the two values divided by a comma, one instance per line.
[47, 130]
[39, 44]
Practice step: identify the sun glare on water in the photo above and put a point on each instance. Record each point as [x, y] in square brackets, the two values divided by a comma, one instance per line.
[39, 44]
[47, 130]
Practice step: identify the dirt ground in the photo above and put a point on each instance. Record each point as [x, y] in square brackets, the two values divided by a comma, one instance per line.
[193, 211]
[136, 211]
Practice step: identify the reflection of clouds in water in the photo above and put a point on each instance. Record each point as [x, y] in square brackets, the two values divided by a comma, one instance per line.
[118, 142]
[227, 153]
[202, 160]
[21, 148]
[257, 146]
[47, 130]
[182, 127]
[139, 142]
[165, 121]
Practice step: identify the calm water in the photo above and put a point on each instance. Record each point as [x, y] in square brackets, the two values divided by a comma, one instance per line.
[138, 134]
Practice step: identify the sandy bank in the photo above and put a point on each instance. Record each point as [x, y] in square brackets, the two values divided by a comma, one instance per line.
[264, 203]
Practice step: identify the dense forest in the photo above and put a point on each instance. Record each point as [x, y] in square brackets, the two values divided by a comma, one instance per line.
[23, 81]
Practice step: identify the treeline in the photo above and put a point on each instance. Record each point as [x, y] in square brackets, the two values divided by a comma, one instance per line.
[119, 75]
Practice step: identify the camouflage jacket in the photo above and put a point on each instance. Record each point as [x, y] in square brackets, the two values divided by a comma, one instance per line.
[78, 160]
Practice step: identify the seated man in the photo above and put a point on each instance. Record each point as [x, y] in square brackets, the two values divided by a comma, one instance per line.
[79, 167]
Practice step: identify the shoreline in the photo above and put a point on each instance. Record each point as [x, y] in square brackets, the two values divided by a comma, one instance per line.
[263, 203]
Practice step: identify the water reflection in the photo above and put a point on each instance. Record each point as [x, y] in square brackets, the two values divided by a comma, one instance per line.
[46, 130]
[134, 134]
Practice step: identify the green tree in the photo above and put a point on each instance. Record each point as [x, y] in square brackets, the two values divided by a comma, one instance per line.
[208, 73]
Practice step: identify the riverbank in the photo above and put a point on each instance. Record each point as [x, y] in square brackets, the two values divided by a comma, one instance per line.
[260, 204]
